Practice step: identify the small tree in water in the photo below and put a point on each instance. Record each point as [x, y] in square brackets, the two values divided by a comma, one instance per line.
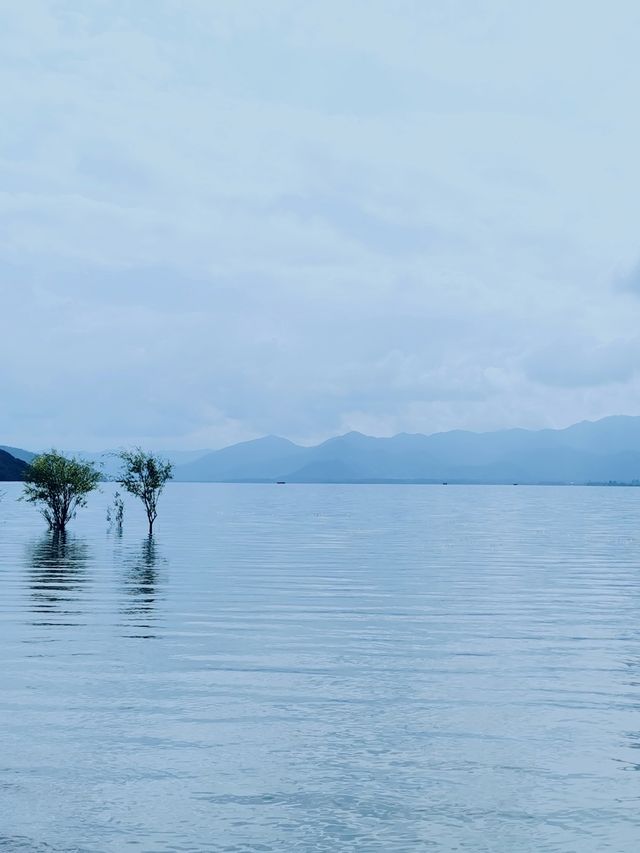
[145, 476]
[58, 486]
[115, 514]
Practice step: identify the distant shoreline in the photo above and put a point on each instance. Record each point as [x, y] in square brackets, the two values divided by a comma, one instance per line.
[379, 482]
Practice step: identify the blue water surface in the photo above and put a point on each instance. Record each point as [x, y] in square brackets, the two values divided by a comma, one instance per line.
[324, 668]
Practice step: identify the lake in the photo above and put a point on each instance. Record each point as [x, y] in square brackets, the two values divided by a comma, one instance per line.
[324, 668]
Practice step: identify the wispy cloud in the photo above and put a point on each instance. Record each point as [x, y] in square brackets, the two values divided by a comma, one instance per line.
[219, 220]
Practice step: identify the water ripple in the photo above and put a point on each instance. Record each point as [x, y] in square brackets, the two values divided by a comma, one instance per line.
[322, 668]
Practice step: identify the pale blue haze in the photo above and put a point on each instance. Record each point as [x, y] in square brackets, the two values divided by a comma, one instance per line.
[223, 220]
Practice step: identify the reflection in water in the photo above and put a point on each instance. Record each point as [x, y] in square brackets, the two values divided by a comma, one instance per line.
[362, 668]
[57, 574]
[140, 584]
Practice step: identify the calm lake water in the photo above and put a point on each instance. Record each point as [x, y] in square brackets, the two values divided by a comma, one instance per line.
[324, 668]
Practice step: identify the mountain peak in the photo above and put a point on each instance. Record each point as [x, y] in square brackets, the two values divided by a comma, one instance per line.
[604, 450]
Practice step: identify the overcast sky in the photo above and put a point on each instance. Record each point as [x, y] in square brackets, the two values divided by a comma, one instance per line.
[226, 218]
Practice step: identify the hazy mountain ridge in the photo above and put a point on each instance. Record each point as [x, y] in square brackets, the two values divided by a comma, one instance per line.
[18, 453]
[11, 468]
[108, 463]
[589, 451]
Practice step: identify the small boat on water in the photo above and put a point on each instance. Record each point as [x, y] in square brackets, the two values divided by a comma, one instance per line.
[280, 482]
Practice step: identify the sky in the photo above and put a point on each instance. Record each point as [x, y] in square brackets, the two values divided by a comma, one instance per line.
[221, 219]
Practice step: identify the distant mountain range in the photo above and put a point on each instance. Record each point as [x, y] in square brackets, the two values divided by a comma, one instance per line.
[601, 451]
[11, 468]
[106, 461]
[18, 453]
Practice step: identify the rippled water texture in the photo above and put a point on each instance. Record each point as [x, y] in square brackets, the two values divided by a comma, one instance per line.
[324, 668]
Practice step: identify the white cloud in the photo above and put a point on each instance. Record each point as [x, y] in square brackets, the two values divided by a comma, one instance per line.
[219, 220]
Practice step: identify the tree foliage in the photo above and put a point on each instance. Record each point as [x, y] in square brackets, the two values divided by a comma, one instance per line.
[145, 476]
[59, 486]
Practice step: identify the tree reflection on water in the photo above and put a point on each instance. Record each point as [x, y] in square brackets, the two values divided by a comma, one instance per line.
[141, 585]
[57, 575]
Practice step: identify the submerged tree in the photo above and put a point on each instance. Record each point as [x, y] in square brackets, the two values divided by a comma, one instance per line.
[59, 486]
[145, 476]
[115, 513]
